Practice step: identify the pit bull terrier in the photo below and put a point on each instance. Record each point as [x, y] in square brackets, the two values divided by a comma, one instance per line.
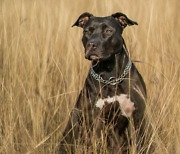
[114, 91]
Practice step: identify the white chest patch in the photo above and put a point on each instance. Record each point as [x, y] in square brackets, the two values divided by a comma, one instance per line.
[127, 106]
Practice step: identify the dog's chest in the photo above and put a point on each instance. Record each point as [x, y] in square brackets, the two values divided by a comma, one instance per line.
[124, 103]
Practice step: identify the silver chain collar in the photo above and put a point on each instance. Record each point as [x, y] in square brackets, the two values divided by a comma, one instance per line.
[112, 80]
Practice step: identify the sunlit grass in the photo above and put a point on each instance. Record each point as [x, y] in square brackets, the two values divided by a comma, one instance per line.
[42, 68]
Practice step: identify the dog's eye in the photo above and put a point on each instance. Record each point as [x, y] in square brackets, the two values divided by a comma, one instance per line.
[108, 31]
[87, 32]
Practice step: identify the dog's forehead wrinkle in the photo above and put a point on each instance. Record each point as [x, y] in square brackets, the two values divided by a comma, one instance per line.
[99, 21]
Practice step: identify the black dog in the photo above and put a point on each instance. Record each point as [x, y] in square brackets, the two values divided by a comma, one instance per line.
[113, 90]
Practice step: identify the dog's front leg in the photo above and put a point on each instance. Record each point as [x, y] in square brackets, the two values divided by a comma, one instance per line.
[75, 129]
[71, 133]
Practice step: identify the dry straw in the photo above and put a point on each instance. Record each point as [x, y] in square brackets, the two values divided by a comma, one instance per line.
[42, 68]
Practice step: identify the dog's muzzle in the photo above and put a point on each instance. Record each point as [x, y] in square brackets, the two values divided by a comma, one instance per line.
[91, 57]
[94, 57]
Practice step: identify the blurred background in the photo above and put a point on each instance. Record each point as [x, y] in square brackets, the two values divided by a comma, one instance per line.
[42, 68]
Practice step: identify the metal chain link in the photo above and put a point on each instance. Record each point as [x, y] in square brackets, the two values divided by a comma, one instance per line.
[112, 80]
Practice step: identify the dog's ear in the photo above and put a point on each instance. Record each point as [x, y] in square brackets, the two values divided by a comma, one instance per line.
[123, 19]
[82, 20]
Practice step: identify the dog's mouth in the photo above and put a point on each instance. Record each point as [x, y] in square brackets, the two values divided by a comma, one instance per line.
[98, 58]
[94, 57]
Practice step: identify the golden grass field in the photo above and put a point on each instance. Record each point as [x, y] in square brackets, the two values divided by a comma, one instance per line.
[42, 68]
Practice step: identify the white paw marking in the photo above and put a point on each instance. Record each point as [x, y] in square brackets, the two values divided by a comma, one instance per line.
[127, 106]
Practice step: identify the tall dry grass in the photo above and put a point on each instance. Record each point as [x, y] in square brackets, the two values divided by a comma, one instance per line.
[42, 68]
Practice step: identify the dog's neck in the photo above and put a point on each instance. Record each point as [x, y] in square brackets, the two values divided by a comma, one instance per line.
[114, 66]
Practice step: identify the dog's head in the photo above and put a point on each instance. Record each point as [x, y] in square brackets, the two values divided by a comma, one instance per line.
[102, 36]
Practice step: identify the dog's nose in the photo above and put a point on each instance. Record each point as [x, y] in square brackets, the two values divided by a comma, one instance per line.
[91, 45]
[91, 50]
